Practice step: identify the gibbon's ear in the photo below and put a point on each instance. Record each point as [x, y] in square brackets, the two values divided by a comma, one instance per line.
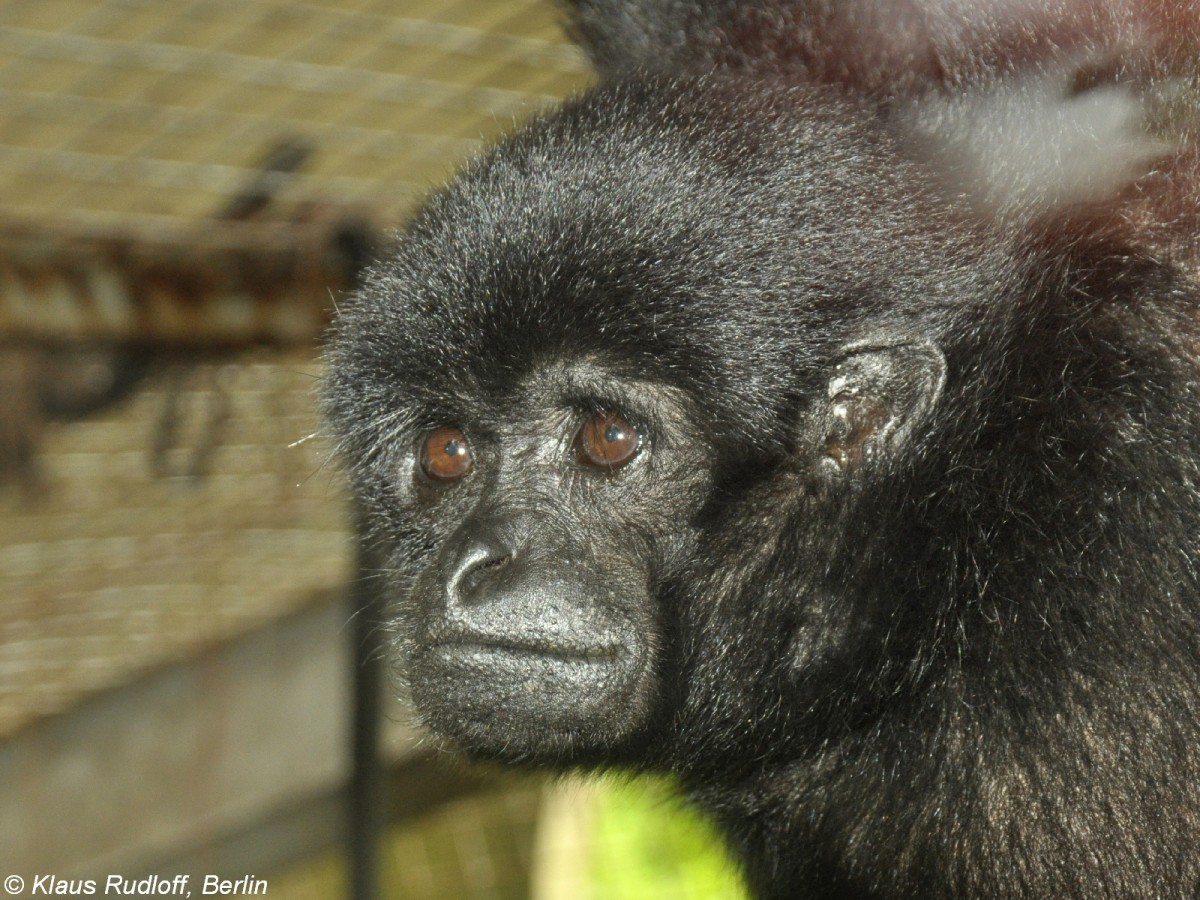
[878, 396]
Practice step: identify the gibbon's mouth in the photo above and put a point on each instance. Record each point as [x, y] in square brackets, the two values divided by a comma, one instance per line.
[503, 694]
[490, 649]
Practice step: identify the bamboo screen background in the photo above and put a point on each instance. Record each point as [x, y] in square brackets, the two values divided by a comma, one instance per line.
[152, 114]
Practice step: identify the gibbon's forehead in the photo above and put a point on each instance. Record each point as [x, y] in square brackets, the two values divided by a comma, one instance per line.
[466, 332]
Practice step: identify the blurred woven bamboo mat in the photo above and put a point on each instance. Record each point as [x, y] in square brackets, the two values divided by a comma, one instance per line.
[115, 108]
[186, 513]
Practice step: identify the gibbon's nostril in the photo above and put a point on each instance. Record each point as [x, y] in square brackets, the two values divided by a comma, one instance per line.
[476, 567]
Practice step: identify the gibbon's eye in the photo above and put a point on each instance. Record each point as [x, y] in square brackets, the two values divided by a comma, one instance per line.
[446, 455]
[607, 441]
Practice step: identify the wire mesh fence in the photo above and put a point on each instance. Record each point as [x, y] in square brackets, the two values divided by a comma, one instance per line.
[150, 109]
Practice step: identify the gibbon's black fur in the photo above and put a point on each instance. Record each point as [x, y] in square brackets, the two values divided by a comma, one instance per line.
[811, 409]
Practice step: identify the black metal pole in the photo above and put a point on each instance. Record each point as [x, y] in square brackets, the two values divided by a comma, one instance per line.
[366, 800]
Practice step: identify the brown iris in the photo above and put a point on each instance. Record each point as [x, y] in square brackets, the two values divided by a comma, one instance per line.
[607, 441]
[446, 456]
